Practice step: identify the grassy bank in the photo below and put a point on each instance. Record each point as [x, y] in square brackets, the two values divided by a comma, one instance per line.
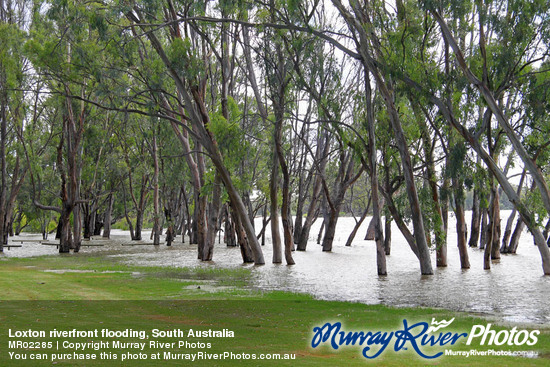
[87, 293]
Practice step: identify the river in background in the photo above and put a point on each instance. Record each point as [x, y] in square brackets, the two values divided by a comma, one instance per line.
[513, 290]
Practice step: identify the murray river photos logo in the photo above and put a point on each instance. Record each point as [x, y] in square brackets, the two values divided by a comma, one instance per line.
[425, 339]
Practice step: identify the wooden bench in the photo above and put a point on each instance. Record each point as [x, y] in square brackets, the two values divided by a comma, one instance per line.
[56, 244]
[96, 239]
[10, 246]
[138, 244]
[27, 241]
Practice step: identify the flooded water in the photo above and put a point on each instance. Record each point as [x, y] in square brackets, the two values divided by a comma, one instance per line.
[513, 290]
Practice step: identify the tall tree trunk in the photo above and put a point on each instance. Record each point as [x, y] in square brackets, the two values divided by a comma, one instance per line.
[139, 225]
[358, 224]
[193, 100]
[495, 227]
[77, 228]
[156, 199]
[516, 235]
[387, 235]
[440, 231]
[491, 229]
[285, 208]
[492, 104]
[3, 162]
[366, 39]
[484, 228]
[108, 215]
[213, 215]
[370, 235]
[508, 232]
[274, 211]
[476, 218]
[170, 230]
[460, 224]
[330, 228]
[229, 233]
[298, 222]
[323, 146]
[246, 251]
[371, 154]
[65, 234]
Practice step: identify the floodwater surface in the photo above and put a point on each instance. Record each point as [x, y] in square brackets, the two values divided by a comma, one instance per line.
[513, 290]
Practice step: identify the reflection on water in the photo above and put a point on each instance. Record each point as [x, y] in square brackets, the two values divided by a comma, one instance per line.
[514, 289]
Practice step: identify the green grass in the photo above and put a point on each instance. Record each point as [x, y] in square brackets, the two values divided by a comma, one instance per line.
[116, 296]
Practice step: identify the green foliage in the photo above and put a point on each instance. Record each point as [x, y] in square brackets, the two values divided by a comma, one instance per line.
[231, 140]
[185, 59]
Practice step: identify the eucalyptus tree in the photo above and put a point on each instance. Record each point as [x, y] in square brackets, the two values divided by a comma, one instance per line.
[15, 79]
[278, 70]
[186, 62]
[97, 147]
[424, 88]
[64, 53]
[136, 186]
[358, 20]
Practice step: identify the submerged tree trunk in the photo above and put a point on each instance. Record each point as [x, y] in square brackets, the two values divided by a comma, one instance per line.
[508, 230]
[274, 211]
[213, 216]
[495, 246]
[156, 199]
[371, 154]
[193, 99]
[330, 228]
[246, 252]
[321, 156]
[358, 224]
[370, 235]
[387, 235]
[516, 235]
[139, 226]
[461, 224]
[169, 226]
[484, 228]
[285, 208]
[229, 232]
[476, 220]
[3, 162]
[108, 215]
